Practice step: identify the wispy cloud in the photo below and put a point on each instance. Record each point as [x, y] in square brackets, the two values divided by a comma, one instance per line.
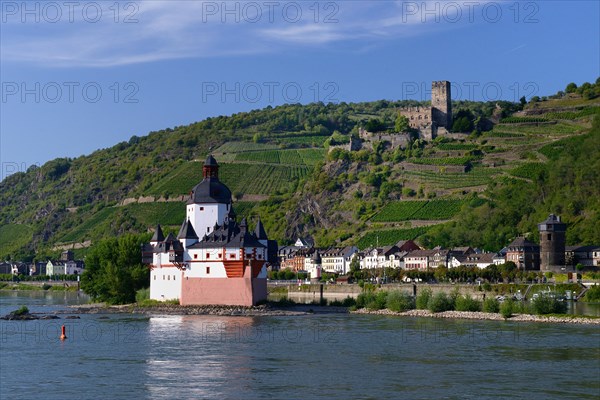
[200, 29]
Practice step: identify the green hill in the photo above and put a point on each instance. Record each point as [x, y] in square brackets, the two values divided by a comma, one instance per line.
[481, 189]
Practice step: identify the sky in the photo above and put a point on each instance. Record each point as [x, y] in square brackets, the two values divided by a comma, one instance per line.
[77, 76]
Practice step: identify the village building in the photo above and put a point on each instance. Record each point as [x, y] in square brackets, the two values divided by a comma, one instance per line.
[524, 253]
[481, 260]
[66, 265]
[588, 256]
[214, 259]
[418, 259]
[337, 260]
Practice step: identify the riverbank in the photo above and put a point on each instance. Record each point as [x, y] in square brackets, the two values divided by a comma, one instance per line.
[478, 315]
[173, 309]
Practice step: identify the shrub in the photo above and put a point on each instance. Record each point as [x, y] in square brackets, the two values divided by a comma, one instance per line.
[399, 301]
[142, 294]
[349, 302]
[21, 311]
[491, 306]
[506, 308]
[487, 287]
[364, 298]
[545, 304]
[46, 286]
[593, 294]
[440, 302]
[467, 303]
[378, 301]
[423, 299]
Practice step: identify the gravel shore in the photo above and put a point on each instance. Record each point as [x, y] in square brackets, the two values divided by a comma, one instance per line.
[170, 309]
[483, 316]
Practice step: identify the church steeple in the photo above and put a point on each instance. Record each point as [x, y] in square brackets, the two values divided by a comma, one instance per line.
[210, 168]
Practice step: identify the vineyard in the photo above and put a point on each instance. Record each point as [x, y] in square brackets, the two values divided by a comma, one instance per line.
[560, 128]
[529, 170]
[521, 120]
[84, 230]
[476, 177]
[13, 236]
[456, 146]
[240, 178]
[150, 214]
[243, 209]
[418, 210]
[444, 161]
[288, 157]
[389, 237]
[571, 115]
[238, 147]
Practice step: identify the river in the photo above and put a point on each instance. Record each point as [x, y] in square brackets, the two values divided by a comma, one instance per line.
[336, 356]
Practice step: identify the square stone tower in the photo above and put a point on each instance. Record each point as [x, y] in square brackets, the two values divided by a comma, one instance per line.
[552, 243]
[441, 106]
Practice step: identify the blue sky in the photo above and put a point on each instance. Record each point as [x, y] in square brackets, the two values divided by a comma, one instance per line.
[86, 75]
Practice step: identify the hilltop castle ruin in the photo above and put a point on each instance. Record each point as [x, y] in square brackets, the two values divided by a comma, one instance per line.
[435, 120]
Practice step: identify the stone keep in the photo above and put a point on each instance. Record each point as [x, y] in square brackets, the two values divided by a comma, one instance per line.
[441, 106]
[552, 243]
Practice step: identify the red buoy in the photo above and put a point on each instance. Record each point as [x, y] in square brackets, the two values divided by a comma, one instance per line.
[63, 336]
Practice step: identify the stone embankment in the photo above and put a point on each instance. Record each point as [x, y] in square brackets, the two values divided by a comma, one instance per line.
[483, 316]
[173, 309]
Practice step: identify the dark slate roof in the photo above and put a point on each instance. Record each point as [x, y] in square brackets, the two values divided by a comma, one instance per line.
[259, 232]
[316, 257]
[210, 190]
[210, 161]
[230, 234]
[522, 242]
[158, 236]
[170, 243]
[187, 231]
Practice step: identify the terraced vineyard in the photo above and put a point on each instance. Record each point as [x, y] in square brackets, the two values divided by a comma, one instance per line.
[237, 147]
[243, 178]
[288, 157]
[418, 210]
[85, 230]
[389, 236]
[476, 177]
[444, 160]
[13, 236]
[149, 214]
[529, 170]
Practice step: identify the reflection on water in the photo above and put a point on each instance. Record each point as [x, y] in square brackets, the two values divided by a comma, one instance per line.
[315, 356]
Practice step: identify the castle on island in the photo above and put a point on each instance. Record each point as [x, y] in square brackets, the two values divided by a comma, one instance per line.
[214, 259]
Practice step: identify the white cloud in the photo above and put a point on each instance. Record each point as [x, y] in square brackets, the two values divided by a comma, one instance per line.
[194, 29]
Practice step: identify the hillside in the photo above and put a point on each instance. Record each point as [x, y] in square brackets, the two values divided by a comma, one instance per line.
[538, 159]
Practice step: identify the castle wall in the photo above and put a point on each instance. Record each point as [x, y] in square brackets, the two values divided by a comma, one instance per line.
[165, 283]
[244, 291]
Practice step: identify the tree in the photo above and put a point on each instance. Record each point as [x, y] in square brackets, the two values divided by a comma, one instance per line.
[401, 124]
[523, 101]
[114, 270]
[571, 88]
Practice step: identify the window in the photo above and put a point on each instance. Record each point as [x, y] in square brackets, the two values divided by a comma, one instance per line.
[232, 256]
[195, 256]
[549, 236]
[207, 270]
[168, 277]
[207, 229]
[154, 277]
[201, 208]
[173, 277]
[207, 255]
[219, 255]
